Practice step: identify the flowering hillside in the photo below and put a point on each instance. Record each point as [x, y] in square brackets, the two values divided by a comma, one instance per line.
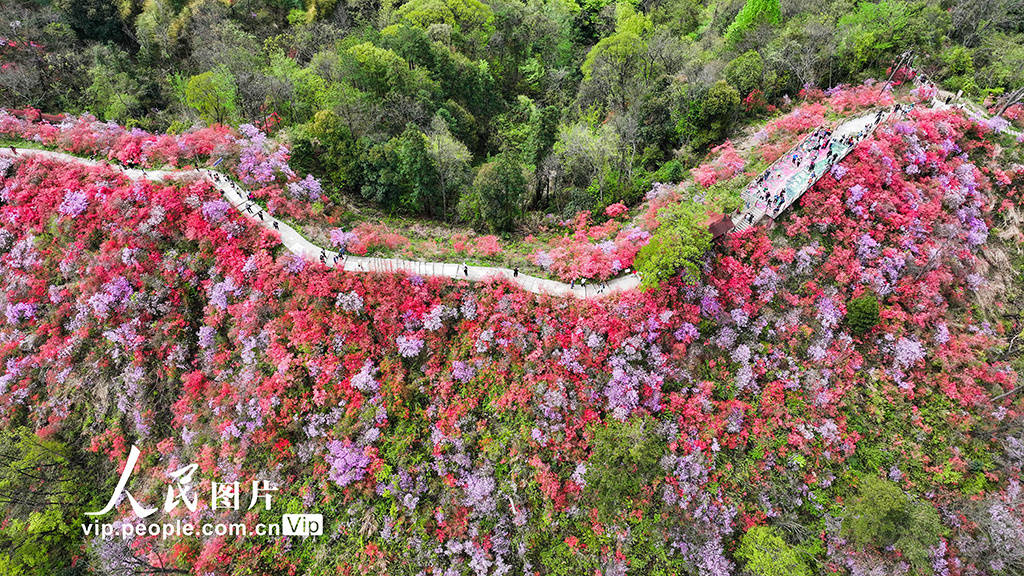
[587, 246]
[841, 365]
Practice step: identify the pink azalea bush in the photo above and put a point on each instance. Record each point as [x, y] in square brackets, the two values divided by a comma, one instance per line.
[485, 246]
[725, 164]
[596, 252]
[1015, 114]
[86, 135]
[616, 210]
[367, 235]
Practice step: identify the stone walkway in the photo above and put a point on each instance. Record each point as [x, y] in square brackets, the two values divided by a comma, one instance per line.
[299, 245]
[782, 184]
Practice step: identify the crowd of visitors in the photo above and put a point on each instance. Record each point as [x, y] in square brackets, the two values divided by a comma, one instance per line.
[785, 180]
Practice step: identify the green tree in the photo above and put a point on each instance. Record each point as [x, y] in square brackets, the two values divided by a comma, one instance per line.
[114, 92]
[585, 151]
[765, 553]
[679, 243]
[326, 147]
[402, 174]
[957, 61]
[543, 132]
[381, 182]
[44, 487]
[421, 186]
[682, 17]
[656, 134]
[469, 19]
[623, 462]
[95, 19]
[380, 71]
[875, 34]
[746, 72]
[212, 95]
[497, 195]
[615, 63]
[452, 159]
[467, 82]
[958, 70]
[802, 53]
[157, 30]
[707, 116]
[753, 14]
[462, 124]
[882, 515]
[720, 107]
[294, 92]
[998, 61]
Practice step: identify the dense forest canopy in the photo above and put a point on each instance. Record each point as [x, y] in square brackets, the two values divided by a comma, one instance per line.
[413, 105]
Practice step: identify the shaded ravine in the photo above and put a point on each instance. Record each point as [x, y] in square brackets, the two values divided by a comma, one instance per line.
[300, 246]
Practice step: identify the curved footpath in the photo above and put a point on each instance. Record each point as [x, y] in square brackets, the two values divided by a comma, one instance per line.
[300, 246]
[297, 244]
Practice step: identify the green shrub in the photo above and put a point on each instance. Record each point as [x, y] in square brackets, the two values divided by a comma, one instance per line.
[669, 172]
[623, 460]
[882, 515]
[862, 313]
[679, 243]
[765, 553]
[958, 70]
